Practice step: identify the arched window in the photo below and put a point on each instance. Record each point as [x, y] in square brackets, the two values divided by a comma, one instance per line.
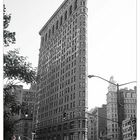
[46, 37]
[42, 40]
[61, 20]
[83, 3]
[66, 15]
[70, 10]
[49, 33]
[53, 29]
[75, 5]
[57, 25]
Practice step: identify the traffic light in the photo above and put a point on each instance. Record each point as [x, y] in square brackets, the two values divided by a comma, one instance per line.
[64, 115]
[134, 121]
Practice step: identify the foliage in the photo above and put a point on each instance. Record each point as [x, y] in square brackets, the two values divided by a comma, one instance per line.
[16, 68]
[11, 107]
[8, 37]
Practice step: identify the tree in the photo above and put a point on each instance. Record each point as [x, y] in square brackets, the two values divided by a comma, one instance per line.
[8, 37]
[16, 69]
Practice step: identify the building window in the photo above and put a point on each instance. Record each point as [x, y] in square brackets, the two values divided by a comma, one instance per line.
[72, 125]
[46, 37]
[83, 123]
[61, 20]
[53, 29]
[66, 15]
[42, 43]
[83, 3]
[70, 10]
[57, 25]
[75, 5]
[49, 33]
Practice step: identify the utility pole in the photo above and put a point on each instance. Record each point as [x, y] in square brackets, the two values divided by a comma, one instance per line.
[119, 106]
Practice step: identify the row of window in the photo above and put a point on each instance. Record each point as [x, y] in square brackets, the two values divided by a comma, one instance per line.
[60, 118]
[50, 94]
[128, 136]
[58, 109]
[125, 95]
[55, 65]
[126, 130]
[62, 39]
[130, 100]
[68, 59]
[65, 50]
[126, 100]
[63, 87]
[60, 22]
[65, 81]
[58, 40]
[64, 126]
[60, 96]
[129, 95]
[55, 48]
[130, 115]
[130, 105]
[130, 111]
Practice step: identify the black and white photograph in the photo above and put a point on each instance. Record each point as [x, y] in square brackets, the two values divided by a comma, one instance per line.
[70, 70]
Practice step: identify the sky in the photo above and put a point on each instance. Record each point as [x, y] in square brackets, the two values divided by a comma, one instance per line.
[111, 39]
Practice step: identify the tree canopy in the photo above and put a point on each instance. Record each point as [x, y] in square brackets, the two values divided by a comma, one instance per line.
[15, 68]
[8, 36]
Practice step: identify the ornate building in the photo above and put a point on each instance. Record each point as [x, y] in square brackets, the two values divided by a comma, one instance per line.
[62, 84]
[123, 102]
[112, 112]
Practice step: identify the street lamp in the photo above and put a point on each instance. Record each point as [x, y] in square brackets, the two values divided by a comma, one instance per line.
[33, 134]
[118, 85]
[119, 113]
[26, 115]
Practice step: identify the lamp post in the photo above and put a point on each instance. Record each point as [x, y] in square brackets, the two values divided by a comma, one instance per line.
[33, 134]
[118, 102]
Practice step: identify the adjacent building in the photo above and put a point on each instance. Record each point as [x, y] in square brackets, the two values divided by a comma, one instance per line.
[129, 102]
[97, 124]
[62, 70]
[90, 125]
[123, 105]
[23, 123]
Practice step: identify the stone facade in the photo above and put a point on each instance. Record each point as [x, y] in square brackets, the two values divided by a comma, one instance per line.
[125, 102]
[62, 70]
[129, 129]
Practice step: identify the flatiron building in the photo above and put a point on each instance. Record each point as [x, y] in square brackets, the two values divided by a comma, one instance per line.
[60, 110]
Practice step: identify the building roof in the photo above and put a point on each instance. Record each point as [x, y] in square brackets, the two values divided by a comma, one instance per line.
[60, 7]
